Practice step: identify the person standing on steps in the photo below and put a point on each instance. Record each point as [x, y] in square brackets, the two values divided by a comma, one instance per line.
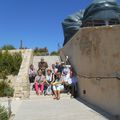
[43, 70]
[42, 64]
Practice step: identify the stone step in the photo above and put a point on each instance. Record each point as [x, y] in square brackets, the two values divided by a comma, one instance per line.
[34, 96]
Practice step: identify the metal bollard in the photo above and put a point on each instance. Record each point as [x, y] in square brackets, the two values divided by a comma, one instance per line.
[9, 106]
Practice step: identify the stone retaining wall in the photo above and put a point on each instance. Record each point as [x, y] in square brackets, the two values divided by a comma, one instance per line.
[94, 53]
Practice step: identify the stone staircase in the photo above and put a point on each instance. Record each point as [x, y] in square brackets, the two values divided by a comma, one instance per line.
[49, 59]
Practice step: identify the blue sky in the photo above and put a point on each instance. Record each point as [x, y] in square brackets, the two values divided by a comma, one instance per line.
[36, 22]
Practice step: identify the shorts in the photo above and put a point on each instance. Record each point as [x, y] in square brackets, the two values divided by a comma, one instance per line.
[58, 87]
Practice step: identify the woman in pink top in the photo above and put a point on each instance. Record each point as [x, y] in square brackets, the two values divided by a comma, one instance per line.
[39, 83]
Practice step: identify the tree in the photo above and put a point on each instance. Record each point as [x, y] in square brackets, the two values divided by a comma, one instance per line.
[56, 53]
[41, 51]
[9, 63]
[8, 47]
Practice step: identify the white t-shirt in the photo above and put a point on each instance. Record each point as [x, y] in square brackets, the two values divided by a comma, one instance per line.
[67, 78]
[49, 77]
[32, 72]
[70, 80]
[54, 70]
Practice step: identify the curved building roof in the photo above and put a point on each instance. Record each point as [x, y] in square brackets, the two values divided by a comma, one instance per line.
[72, 24]
[101, 12]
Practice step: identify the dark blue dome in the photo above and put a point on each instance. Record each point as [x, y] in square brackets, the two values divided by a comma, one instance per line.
[101, 13]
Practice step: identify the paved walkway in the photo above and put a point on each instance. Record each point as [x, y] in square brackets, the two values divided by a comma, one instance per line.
[45, 108]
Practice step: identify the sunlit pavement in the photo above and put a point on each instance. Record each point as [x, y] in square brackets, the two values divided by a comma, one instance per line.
[45, 108]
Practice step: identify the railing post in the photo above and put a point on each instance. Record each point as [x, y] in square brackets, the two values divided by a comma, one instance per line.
[9, 106]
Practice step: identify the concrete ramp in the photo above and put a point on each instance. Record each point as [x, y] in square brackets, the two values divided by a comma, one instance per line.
[49, 59]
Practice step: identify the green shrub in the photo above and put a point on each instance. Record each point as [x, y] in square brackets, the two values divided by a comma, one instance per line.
[8, 91]
[3, 113]
[16, 62]
[3, 74]
[41, 51]
[3, 85]
[54, 53]
[5, 89]
[8, 47]
[9, 63]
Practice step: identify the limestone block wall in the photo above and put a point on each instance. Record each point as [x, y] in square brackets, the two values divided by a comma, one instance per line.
[22, 85]
[95, 55]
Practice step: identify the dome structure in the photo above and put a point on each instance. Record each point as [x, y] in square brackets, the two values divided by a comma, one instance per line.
[99, 13]
[99, 1]
[71, 25]
[102, 12]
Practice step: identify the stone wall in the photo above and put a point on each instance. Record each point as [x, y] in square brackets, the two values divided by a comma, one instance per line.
[94, 53]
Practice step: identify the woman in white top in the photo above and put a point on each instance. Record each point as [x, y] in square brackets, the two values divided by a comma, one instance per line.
[48, 80]
[32, 73]
[57, 86]
[54, 69]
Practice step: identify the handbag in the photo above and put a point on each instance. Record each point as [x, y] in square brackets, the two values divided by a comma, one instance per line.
[49, 91]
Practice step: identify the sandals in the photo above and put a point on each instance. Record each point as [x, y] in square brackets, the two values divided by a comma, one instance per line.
[55, 98]
[58, 98]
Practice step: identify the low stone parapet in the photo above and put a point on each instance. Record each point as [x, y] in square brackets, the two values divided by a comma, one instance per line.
[22, 85]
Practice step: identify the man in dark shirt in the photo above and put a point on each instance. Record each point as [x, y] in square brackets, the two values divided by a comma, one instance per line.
[61, 67]
[42, 64]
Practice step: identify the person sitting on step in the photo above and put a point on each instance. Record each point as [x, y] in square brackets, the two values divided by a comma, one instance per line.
[57, 65]
[39, 83]
[74, 85]
[61, 67]
[54, 70]
[67, 81]
[48, 81]
[57, 86]
[32, 73]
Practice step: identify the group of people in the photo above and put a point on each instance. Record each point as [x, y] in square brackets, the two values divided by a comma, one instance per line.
[52, 81]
